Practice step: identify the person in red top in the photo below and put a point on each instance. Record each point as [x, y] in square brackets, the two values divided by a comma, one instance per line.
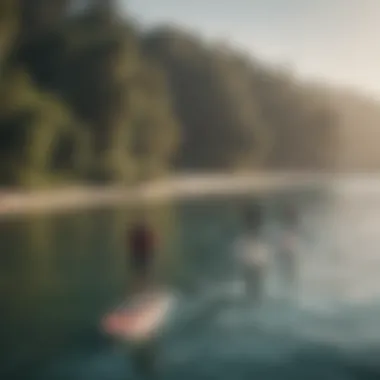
[142, 244]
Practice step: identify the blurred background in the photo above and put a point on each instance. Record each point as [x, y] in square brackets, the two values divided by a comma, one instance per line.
[112, 94]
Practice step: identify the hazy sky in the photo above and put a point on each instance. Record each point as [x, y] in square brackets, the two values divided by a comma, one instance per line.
[336, 40]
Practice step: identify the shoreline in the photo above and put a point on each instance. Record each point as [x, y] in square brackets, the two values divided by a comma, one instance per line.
[180, 187]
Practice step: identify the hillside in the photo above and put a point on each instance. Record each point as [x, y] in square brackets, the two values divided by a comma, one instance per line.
[359, 131]
[87, 96]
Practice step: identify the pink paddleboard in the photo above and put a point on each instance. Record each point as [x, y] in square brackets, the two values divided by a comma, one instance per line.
[140, 319]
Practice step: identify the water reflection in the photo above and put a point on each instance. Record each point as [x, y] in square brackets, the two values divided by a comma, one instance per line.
[60, 274]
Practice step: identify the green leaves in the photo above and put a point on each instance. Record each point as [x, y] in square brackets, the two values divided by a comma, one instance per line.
[79, 97]
[88, 96]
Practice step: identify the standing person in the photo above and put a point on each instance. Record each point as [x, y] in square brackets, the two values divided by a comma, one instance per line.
[252, 253]
[142, 245]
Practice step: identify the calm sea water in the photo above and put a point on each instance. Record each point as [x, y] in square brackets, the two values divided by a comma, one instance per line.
[60, 274]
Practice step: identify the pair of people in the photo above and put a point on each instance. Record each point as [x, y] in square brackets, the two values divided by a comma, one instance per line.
[253, 253]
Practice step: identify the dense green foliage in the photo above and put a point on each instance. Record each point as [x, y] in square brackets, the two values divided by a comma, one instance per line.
[85, 95]
[79, 100]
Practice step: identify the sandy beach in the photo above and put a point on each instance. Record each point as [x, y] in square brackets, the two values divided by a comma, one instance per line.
[81, 197]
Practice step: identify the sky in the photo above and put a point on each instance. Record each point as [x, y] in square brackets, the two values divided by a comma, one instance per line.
[330, 40]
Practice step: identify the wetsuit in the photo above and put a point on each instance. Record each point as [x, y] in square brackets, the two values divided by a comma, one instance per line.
[142, 243]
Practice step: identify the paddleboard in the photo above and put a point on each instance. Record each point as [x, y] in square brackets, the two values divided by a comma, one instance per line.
[140, 318]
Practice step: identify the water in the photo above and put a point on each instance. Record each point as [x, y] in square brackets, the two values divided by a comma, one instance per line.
[60, 274]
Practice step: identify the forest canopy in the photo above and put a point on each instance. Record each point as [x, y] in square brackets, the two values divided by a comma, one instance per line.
[88, 96]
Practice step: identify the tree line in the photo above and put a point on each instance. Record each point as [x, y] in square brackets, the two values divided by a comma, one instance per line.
[87, 96]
